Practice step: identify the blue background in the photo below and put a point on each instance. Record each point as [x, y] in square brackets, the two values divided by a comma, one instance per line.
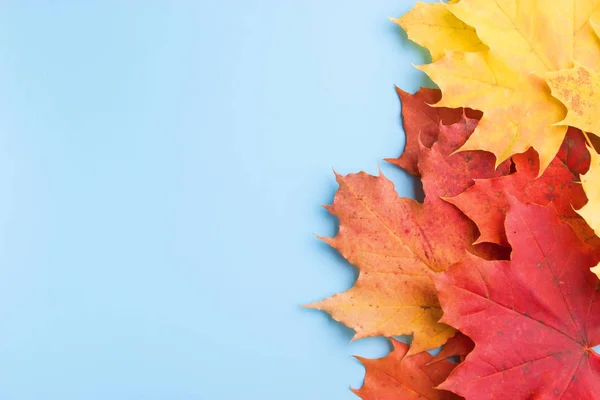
[162, 168]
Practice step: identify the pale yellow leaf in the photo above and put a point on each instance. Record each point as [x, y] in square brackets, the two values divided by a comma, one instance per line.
[435, 28]
[529, 35]
[587, 43]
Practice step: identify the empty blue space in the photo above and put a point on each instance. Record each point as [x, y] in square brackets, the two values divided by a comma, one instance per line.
[162, 167]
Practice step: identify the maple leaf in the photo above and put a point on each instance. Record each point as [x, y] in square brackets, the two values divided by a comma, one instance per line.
[434, 27]
[403, 376]
[526, 40]
[422, 124]
[509, 100]
[486, 201]
[391, 240]
[398, 243]
[528, 34]
[534, 319]
[587, 13]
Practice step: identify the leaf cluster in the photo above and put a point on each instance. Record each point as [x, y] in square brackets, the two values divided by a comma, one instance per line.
[497, 264]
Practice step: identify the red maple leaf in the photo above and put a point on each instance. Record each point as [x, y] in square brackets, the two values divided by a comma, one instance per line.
[445, 174]
[486, 202]
[422, 124]
[534, 319]
[402, 376]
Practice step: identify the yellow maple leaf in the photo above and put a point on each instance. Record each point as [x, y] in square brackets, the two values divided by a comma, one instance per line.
[529, 35]
[527, 39]
[535, 36]
[437, 29]
[587, 13]
[519, 110]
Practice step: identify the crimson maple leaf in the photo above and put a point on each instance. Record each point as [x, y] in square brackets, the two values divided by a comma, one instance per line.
[445, 174]
[422, 124]
[486, 202]
[534, 319]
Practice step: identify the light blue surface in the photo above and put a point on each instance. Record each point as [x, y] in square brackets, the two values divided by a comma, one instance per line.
[162, 168]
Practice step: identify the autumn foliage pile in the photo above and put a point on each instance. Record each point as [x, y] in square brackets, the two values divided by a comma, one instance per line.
[496, 265]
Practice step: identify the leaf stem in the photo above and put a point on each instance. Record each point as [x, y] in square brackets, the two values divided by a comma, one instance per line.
[587, 139]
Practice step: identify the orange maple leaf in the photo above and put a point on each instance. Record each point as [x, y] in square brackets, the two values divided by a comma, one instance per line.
[398, 244]
[403, 376]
